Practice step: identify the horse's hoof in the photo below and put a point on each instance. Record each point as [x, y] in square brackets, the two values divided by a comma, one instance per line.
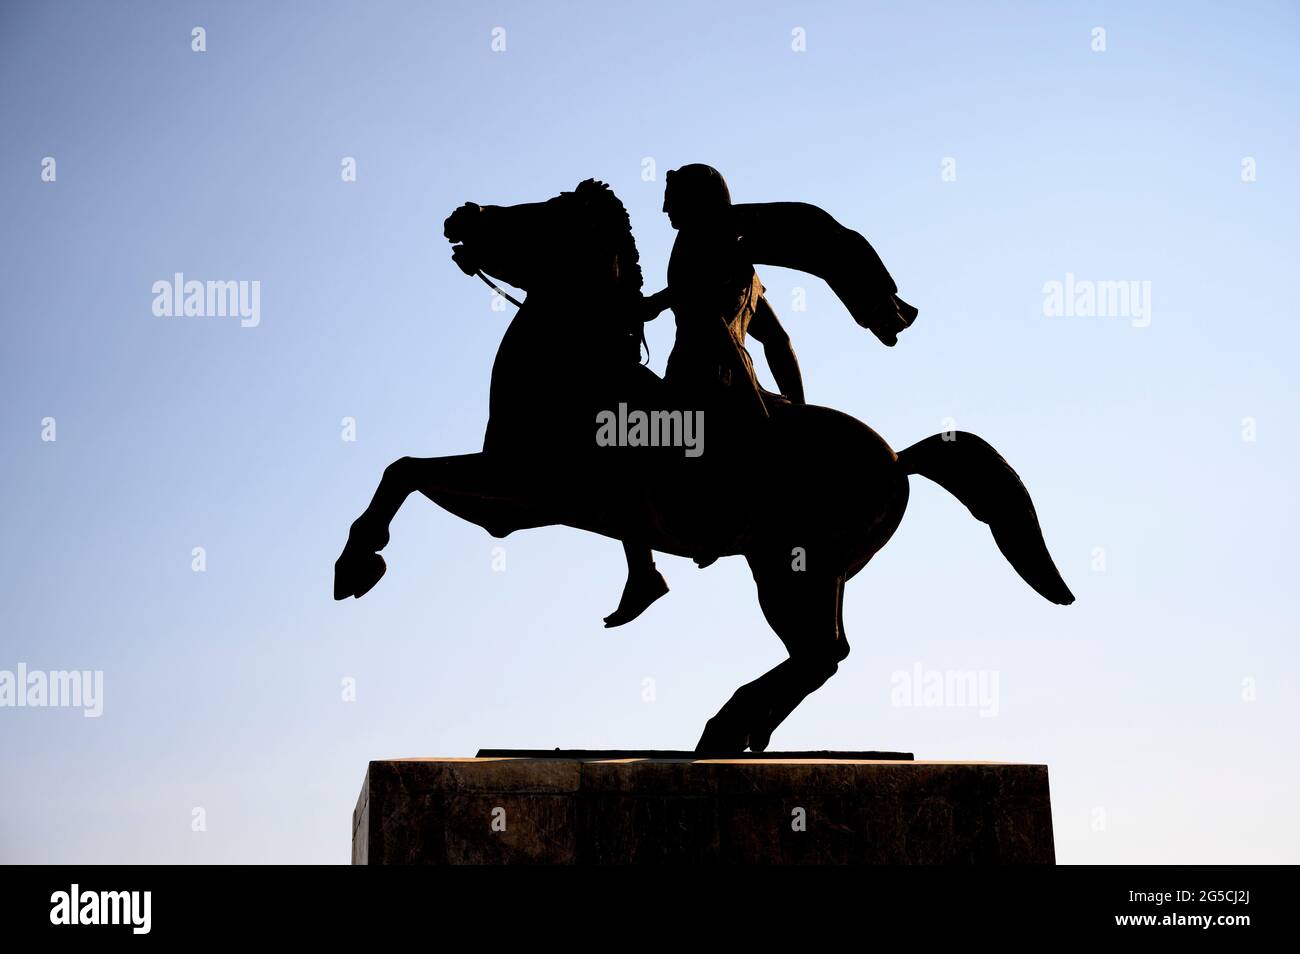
[720, 740]
[355, 575]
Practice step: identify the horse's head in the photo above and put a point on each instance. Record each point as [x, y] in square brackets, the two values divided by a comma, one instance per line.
[581, 237]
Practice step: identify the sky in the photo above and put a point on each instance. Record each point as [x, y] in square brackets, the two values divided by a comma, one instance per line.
[986, 153]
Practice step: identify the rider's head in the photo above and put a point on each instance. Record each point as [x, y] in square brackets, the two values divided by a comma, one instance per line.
[695, 195]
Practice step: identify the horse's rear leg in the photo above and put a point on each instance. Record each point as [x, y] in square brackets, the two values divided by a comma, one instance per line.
[804, 608]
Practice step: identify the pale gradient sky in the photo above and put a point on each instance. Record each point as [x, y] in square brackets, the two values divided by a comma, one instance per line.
[222, 689]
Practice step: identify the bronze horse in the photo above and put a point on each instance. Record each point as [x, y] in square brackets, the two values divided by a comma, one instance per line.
[807, 501]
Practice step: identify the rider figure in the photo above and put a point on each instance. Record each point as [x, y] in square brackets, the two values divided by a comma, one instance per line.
[716, 299]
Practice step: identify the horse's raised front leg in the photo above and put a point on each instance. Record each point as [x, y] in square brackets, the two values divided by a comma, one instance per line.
[472, 486]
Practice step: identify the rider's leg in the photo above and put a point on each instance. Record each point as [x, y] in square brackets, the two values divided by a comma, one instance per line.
[644, 585]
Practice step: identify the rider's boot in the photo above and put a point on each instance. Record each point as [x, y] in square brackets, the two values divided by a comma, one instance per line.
[642, 588]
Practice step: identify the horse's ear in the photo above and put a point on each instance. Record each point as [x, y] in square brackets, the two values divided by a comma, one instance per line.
[592, 185]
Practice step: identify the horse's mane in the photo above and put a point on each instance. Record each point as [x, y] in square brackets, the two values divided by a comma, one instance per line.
[612, 217]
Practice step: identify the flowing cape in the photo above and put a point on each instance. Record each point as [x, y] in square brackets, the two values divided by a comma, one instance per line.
[803, 237]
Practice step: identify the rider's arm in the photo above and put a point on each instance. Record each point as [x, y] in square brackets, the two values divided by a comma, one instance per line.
[766, 328]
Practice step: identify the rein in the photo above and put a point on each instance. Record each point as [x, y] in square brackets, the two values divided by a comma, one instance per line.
[492, 285]
[518, 304]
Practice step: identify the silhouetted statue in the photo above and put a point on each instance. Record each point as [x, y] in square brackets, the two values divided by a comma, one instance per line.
[569, 366]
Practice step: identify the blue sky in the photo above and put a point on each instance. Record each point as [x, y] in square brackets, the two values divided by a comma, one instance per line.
[222, 688]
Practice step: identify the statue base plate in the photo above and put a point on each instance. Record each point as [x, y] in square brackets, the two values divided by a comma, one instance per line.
[581, 807]
[679, 754]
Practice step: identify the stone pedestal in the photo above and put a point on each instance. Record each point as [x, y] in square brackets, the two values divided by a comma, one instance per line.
[587, 808]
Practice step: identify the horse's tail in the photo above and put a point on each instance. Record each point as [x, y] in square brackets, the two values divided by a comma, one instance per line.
[972, 471]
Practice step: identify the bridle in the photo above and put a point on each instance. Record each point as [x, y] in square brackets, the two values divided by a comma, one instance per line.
[518, 304]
